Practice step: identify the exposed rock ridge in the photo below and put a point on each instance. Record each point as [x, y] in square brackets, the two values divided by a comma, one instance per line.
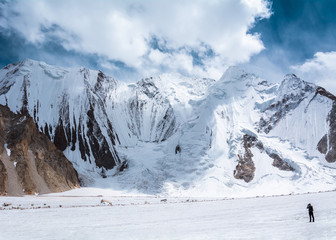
[93, 144]
[291, 93]
[79, 132]
[327, 144]
[323, 92]
[30, 162]
[245, 168]
[150, 107]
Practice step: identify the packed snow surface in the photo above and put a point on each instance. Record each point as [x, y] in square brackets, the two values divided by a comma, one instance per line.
[61, 216]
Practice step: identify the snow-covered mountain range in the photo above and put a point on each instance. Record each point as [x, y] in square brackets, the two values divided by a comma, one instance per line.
[239, 135]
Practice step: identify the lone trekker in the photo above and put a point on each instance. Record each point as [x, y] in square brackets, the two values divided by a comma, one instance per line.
[311, 212]
[177, 149]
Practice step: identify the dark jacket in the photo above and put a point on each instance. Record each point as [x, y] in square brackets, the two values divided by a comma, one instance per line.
[310, 208]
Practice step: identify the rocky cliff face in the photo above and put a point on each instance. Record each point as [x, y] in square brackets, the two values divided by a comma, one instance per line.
[30, 162]
[291, 93]
[69, 106]
[152, 117]
[327, 144]
[3, 178]
[245, 168]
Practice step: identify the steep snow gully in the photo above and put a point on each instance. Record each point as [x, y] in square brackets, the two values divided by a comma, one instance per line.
[237, 136]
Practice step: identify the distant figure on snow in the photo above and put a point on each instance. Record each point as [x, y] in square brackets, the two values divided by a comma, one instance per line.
[177, 149]
[311, 212]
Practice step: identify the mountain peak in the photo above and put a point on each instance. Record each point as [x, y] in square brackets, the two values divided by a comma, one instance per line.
[232, 73]
[291, 76]
[30, 61]
[292, 83]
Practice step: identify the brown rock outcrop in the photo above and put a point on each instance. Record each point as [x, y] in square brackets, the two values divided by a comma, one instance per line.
[3, 179]
[246, 168]
[280, 163]
[327, 144]
[29, 162]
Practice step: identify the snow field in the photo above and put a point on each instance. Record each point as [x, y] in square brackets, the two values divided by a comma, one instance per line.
[147, 217]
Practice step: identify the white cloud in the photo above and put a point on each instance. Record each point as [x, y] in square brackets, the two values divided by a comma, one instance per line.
[320, 70]
[176, 62]
[123, 30]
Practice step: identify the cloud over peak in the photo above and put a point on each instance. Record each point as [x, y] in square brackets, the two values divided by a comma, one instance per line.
[191, 37]
[320, 69]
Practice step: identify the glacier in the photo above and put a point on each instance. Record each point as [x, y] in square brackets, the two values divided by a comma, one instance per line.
[146, 217]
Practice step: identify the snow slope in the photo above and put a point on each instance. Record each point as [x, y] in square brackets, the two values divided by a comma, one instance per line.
[211, 138]
[141, 217]
[67, 105]
[178, 136]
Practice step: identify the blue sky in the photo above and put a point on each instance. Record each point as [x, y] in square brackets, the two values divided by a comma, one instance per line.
[296, 31]
[135, 39]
